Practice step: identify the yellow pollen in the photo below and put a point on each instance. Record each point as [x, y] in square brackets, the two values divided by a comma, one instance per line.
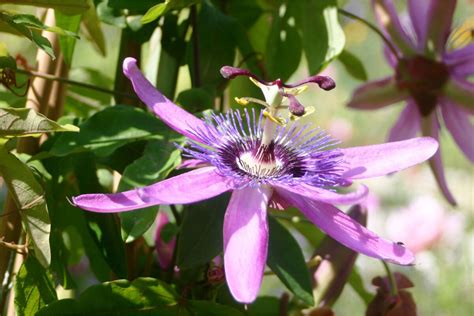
[241, 101]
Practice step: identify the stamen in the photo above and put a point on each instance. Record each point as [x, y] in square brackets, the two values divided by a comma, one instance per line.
[294, 155]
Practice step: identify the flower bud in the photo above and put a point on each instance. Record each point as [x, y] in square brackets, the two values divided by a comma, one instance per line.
[164, 248]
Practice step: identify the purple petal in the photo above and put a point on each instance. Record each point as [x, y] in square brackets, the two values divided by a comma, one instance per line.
[175, 117]
[460, 92]
[377, 94]
[418, 11]
[461, 61]
[326, 196]
[407, 125]
[379, 160]
[192, 163]
[110, 203]
[390, 57]
[431, 128]
[196, 185]
[246, 241]
[440, 17]
[458, 123]
[388, 19]
[278, 202]
[348, 232]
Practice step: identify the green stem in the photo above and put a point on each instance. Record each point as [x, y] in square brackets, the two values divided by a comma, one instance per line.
[391, 279]
[177, 216]
[373, 28]
[75, 83]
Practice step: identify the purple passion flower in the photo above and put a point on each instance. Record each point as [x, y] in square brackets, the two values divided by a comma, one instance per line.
[265, 163]
[430, 77]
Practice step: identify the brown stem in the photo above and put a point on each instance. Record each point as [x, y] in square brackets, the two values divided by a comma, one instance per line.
[77, 83]
[129, 47]
[196, 52]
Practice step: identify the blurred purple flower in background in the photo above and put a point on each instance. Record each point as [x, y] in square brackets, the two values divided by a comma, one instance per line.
[430, 76]
[164, 248]
[262, 161]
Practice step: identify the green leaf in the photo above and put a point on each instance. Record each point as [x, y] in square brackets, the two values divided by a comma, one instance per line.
[264, 306]
[110, 129]
[207, 308]
[29, 26]
[69, 7]
[26, 122]
[134, 6]
[286, 260]
[6, 61]
[353, 65]
[143, 296]
[104, 228]
[111, 15]
[200, 239]
[158, 160]
[169, 231]
[161, 8]
[93, 29]
[322, 36]
[216, 44]
[33, 288]
[283, 49]
[29, 199]
[71, 25]
[356, 282]
[154, 12]
[28, 32]
[247, 12]
[195, 99]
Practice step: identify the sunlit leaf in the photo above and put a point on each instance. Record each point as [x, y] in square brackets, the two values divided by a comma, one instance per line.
[26, 122]
[30, 201]
[93, 29]
[30, 26]
[110, 129]
[154, 12]
[33, 288]
[69, 7]
[71, 25]
[322, 36]
[161, 8]
[283, 49]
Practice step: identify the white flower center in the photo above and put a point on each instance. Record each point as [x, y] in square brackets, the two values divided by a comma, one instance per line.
[251, 165]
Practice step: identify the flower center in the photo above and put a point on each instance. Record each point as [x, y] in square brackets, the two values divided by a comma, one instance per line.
[261, 162]
[424, 78]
